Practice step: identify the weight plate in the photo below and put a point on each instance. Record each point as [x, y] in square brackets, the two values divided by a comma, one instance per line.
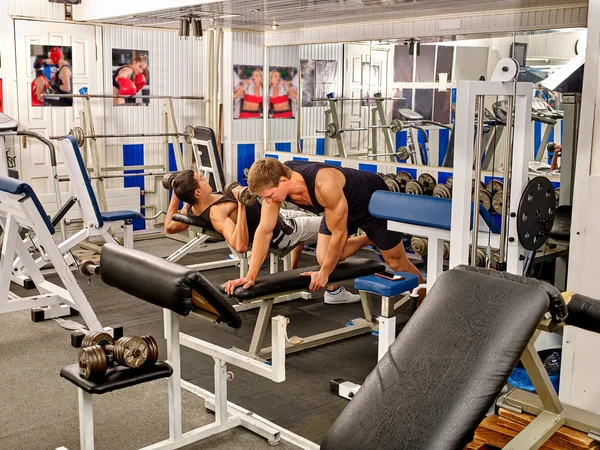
[404, 176]
[152, 350]
[427, 181]
[77, 133]
[414, 187]
[480, 258]
[442, 191]
[494, 186]
[497, 202]
[446, 250]
[449, 183]
[189, 133]
[481, 186]
[332, 130]
[403, 153]
[396, 126]
[485, 199]
[535, 214]
[92, 362]
[419, 245]
[167, 180]
[131, 351]
[393, 185]
[97, 338]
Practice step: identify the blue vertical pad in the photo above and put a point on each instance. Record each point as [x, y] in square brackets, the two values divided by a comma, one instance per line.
[368, 167]
[268, 155]
[299, 158]
[133, 155]
[245, 161]
[333, 163]
[321, 146]
[443, 140]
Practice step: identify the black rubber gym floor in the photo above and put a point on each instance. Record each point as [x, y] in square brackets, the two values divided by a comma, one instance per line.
[302, 403]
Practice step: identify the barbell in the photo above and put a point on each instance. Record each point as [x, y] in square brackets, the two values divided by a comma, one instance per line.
[333, 130]
[80, 136]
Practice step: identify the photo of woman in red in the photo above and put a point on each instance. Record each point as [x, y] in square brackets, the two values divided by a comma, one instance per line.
[248, 92]
[281, 94]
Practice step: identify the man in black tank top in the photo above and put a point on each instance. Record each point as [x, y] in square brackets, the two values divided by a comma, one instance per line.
[342, 194]
[236, 222]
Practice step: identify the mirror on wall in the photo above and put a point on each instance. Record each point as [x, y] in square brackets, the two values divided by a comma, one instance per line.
[394, 100]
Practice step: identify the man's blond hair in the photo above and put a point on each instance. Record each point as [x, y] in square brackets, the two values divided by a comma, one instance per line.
[265, 174]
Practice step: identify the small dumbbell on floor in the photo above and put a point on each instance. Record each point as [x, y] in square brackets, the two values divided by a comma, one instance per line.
[99, 351]
[243, 195]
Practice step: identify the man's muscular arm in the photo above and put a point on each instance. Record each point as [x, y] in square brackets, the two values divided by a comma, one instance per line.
[235, 233]
[171, 226]
[330, 194]
[260, 246]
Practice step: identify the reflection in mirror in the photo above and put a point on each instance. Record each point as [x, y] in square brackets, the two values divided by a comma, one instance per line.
[394, 100]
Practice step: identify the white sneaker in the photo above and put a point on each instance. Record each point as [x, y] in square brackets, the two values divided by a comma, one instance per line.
[340, 295]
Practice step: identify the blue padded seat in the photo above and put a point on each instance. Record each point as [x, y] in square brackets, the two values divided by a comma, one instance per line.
[17, 187]
[114, 216]
[387, 288]
[432, 212]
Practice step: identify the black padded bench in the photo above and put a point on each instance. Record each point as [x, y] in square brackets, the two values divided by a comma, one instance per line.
[268, 288]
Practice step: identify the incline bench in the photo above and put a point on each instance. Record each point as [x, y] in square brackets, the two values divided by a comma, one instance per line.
[431, 389]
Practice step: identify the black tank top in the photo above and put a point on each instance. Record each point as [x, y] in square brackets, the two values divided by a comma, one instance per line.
[359, 187]
[252, 217]
[56, 83]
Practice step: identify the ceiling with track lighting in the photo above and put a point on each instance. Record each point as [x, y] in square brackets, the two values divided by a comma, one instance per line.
[268, 15]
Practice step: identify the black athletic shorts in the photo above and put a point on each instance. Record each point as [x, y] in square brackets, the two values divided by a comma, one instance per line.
[375, 229]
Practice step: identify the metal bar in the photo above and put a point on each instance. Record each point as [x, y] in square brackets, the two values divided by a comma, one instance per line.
[133, 135]
[477, 179]
[88, 96]
[95, 157]
[172, 123]
[385, 127]
[353, 99]
[506, 175]
[335, 119]
[537, 432]
[261, 326]
[539, 377]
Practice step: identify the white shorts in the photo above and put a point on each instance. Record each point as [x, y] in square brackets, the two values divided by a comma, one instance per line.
[305, 226]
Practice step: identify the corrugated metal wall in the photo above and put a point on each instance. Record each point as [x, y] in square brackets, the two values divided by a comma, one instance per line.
[176, 68]
[547, 18]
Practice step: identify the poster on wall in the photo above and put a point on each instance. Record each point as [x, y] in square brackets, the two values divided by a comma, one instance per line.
[130, 76]
[319, 78]
[247, 92]
[51, 74]
[283, 92]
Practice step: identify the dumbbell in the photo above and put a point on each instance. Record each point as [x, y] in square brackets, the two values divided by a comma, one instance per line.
[428, 183]
[167, 180]
[99, 349]
[243, 196]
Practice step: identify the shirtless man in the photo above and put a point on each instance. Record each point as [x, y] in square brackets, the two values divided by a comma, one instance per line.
[343, 194]
[238, 223]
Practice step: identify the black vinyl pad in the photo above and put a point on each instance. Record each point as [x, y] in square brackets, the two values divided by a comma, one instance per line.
[162, 283]
[117, 377]
[584, 312]
[561, 228]
[444, 371]
[193, 220]
[292, 281]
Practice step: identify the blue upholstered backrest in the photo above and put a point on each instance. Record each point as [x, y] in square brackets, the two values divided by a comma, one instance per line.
[17, 187]
[71, 152]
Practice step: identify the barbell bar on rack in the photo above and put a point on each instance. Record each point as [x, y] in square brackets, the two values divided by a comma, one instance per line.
[180, 97]
[80, 136]
[354, 99]
[333, 130]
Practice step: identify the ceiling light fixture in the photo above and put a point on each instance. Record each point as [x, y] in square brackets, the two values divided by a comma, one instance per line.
[275, 25]
[197, 28]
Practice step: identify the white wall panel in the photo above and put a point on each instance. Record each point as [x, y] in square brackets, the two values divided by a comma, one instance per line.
[176, 68]
[551, 17]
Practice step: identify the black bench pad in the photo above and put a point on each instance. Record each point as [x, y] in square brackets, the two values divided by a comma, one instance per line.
[561, 228]
[446, 368]
[584, 312]
[117, 377]
[292, 281]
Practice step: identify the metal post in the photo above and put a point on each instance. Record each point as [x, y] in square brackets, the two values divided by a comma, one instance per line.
[220, 373]
[478, 156]
[174, 357]
[386, 131]
[95, 156]
[373, 134]
[86, 420]
[507, 162]
[174, 140]
[335, 119]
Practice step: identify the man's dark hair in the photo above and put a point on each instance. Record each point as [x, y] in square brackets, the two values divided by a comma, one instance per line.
[184, 186]
[551, 146]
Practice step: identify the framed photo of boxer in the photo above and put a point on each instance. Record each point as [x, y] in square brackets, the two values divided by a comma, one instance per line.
[51, 73]
[248, 91]
[130, 76]
[283, 92]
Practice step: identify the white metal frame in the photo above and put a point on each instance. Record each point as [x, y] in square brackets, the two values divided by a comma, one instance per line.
[466, 94]
[20, 211]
